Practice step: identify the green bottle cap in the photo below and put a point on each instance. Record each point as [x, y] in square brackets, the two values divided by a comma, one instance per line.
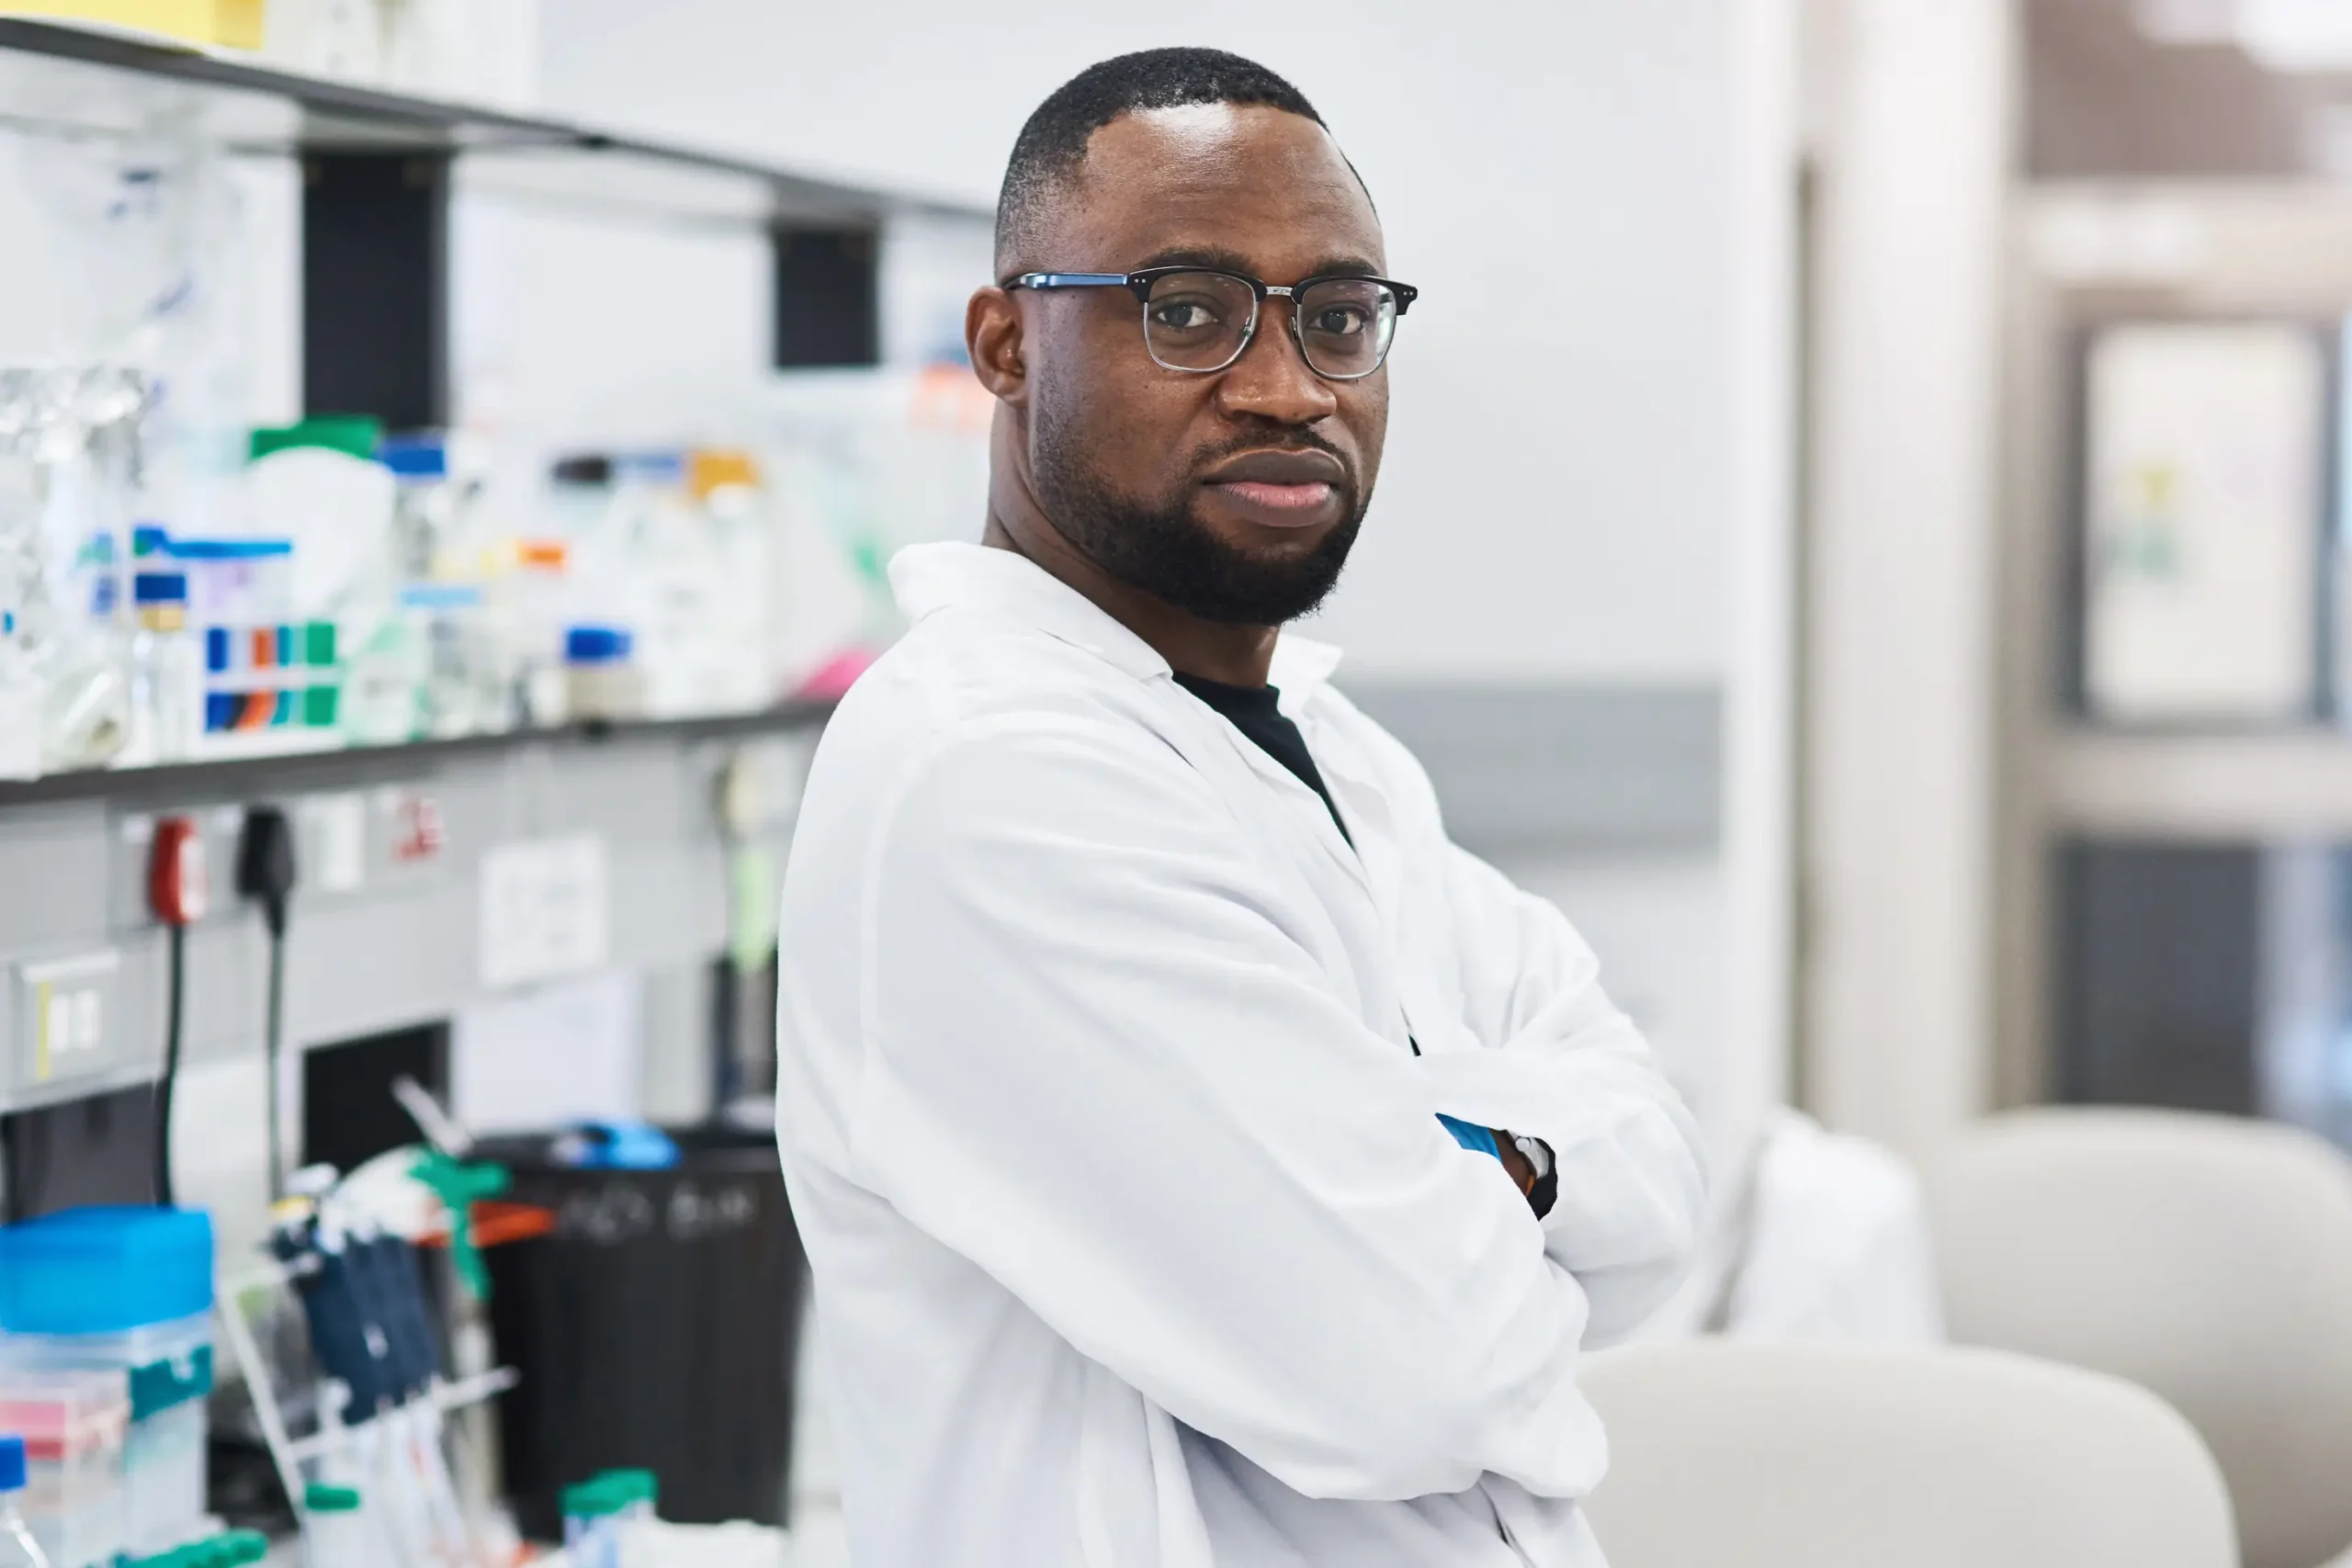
[633, 1485]
[591, 1500]
[320, 1499]
[244, 1548]
[357, 435]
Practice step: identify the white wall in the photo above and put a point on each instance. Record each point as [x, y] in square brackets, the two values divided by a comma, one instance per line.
[1559, 178]
[1914, 171]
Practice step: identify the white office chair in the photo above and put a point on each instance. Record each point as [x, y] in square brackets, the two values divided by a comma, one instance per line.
[2204, 1257]
[1731, 1454]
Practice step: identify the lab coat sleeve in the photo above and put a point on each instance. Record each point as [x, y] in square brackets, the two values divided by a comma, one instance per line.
[1566, 1065]
[1095, 1066]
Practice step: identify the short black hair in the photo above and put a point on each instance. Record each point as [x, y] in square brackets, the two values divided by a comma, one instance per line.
[1052, 144]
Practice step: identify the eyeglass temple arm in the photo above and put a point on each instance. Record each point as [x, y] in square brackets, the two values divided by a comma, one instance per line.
[1071, 280]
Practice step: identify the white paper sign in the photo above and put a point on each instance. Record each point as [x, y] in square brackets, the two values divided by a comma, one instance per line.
[550, 1056]
[545, 911]
[2203, 496]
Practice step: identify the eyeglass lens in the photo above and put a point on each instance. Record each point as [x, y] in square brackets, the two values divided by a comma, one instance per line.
[1201, 321]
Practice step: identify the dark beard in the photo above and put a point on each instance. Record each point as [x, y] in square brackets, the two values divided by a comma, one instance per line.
[1161, 549]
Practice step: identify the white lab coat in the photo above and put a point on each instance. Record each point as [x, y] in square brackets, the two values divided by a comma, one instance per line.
[1815, 1236]
[1137, 1243]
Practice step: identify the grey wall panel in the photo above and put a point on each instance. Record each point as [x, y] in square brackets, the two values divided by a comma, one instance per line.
[1521, 768]
[365, 966]
[226, 991]
[47, 892]
[404, 947]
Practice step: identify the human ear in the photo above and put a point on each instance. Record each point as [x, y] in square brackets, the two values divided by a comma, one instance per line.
[992, 337]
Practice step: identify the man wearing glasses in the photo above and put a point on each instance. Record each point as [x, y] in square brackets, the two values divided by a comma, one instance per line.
[1203, 1161]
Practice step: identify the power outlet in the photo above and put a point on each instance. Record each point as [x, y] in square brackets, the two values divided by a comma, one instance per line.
[66, 1023]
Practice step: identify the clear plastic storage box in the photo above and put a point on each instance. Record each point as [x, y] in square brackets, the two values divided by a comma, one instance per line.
[126, 1291]
[73, 1424]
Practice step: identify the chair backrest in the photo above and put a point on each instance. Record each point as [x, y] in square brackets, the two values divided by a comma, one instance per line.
[1736, 1454]
[2205, 1257]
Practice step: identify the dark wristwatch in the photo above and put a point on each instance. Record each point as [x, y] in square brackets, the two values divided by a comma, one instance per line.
[1545, 1188]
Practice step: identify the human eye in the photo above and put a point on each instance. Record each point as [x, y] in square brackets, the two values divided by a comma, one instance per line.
[1185, 312]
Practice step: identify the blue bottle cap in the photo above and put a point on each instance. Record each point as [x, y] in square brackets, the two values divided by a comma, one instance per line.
[149, 540]
[649, 467]
[416, 457]
[12, 1463]
[596, 645]
[159, 588]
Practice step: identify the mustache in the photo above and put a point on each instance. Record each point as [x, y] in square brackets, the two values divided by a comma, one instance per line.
[1287, 441]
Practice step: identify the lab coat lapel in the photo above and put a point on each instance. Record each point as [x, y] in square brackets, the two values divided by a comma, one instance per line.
[1239, 767]
[1434, 1018]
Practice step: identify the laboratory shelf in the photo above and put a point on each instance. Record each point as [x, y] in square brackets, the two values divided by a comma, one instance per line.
[90, 80]
[2253, 785]
[309, 769]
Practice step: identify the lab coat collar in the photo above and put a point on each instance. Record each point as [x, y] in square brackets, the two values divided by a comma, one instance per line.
[1303, 666]
[926, 578]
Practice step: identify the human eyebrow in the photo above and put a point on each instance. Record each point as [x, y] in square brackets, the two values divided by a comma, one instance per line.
[1344, 266]
[1209, 258]
[1215, 259]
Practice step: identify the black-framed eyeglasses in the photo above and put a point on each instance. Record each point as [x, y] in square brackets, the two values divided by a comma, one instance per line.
[1200, 321]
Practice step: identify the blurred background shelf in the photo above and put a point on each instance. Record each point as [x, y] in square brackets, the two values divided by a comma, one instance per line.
[88, 82]
[2200, 788]
[317, 769]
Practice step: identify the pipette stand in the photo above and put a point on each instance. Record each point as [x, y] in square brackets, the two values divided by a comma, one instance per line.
[346, 1448]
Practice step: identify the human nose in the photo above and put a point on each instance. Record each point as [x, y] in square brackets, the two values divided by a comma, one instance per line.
[1271, 380]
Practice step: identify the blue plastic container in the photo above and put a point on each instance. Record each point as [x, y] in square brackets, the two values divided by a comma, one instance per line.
[105, 1270]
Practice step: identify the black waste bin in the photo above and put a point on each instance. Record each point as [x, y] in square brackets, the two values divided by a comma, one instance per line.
[655, 1328]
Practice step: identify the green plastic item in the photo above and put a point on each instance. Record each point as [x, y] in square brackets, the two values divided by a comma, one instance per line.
[244, 1548]
[634, 1486]
[353, 433]
[319, 1497]
[594, 1499]
[459, 1187]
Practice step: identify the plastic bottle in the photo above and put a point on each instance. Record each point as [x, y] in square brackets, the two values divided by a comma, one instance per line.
[334, 1528]
[603, 679]
[461, 695]
[167, 673]
[591, 510]
[424, 515]
[637, 1493]
[529, 618]
[20, 705]
[591, 1524]
[17, 1547]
